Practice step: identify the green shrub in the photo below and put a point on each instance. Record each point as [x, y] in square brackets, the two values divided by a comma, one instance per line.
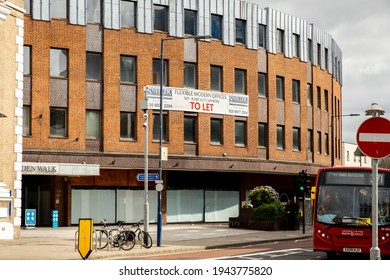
[273, 211]
[262, 194]
[266, 204]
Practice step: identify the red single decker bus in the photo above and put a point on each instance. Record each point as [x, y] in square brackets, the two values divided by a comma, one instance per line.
[342, 211]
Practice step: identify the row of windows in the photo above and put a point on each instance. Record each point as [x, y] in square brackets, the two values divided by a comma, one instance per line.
[59, 126]
[58, 116]
[59, 68]
[161, 16]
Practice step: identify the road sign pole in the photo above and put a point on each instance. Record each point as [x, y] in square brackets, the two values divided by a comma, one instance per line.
[373, 140]
[146, 167]
[375, 253]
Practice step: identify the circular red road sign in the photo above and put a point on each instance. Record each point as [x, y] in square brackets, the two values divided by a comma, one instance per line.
[373, 137]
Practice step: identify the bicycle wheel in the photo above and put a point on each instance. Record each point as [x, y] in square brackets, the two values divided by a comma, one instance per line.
[102, 239]
[114, 238]
[145, 239]
[128, 241]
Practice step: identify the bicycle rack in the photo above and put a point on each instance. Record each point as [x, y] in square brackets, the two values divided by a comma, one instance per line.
[76, 239]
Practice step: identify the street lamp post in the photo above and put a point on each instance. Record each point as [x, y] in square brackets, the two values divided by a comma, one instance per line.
[159, 214]
[333, 132]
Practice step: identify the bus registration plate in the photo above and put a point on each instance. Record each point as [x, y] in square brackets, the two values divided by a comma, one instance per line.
[352, 250]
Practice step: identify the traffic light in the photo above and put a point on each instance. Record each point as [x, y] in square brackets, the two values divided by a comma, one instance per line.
[308, 183]
[303, 184]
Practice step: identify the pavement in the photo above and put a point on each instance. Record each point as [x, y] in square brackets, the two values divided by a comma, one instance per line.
[46, 243]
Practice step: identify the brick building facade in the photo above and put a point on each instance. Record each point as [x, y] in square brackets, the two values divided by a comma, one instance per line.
[81, 111]
[11, 97]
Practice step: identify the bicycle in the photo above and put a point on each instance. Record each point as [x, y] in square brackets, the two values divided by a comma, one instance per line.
[121, 237]
[116, 237]
[142, 236]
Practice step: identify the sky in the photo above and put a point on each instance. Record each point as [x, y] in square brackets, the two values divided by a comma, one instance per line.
[361, 29]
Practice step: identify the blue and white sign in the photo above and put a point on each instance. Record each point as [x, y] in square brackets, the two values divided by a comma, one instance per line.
[54, 219]
[151, 177]
[31, 217]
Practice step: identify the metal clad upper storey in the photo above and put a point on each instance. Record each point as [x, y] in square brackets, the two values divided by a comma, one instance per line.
[325, 52]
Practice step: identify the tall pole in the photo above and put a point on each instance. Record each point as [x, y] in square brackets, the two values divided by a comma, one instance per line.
[159, 213]
[146, 182]
[375, 253]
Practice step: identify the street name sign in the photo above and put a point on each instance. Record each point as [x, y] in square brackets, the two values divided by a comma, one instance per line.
[373, 137]
[151, 177]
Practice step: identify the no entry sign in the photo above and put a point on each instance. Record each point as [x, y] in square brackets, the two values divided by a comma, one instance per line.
[373, 137]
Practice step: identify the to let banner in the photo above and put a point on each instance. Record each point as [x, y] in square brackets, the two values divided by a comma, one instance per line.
[191, 100]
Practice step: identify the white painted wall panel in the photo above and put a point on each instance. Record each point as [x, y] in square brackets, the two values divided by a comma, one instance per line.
[41, 10]
[111, 15]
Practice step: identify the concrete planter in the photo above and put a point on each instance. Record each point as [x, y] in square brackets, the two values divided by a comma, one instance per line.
[246, 219]
[265, 225]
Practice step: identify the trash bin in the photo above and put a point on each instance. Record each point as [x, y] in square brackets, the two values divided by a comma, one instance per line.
[54, 219]
[290, 220]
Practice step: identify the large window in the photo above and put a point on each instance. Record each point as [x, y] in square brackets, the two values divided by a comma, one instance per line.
[190, 129]
[296, 139]
[27, 6]
[59, 8]
[94, 66]
[280, 143]
[262, 36]
[326, 142]
[127, 125]
[310, 140]
[319, 54]
[128, 14]
[216, 78]
[94, 124]
[190, 22]
[27, 60]
[296, 45]
[262, 84]
[326, 59]
[128, 69]
[309, 50]
[262, 135]
[280, 40]
[318, 97]
[58, 122]
[26, 120]
[156, 127]
[280, 88]
[296, 94]
[157, 72]
[240, 31]
[309, 95]
[319, 142]
[216, 131]
[326, 100]
[216, 27]
[240, 133]
[189, 75]
[93, 11]
[240, 81]
[58, 63]
[161, 18]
